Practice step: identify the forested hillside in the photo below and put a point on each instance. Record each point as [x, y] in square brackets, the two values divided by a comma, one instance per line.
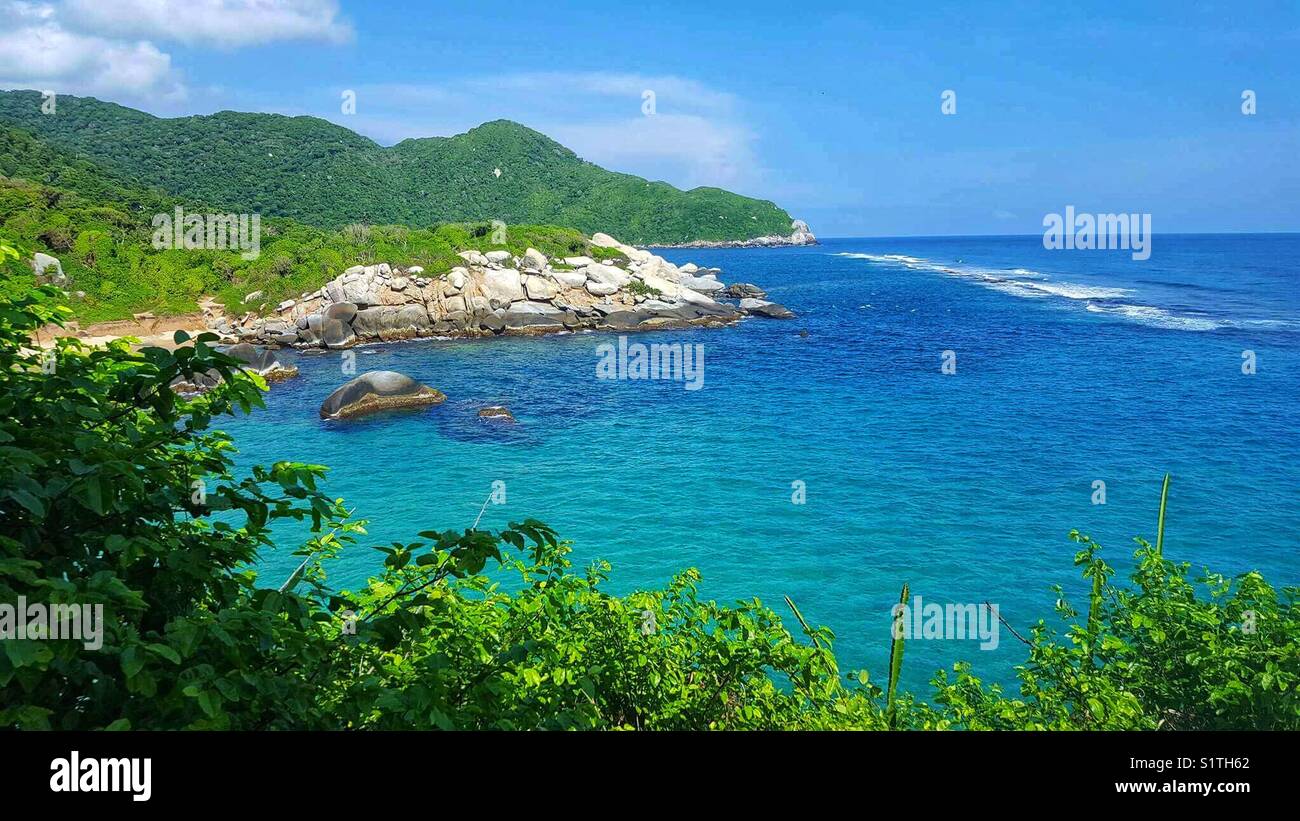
[99, 226]
[324, 175]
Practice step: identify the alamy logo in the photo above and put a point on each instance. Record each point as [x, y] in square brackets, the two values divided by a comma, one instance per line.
[1098, 231]
[674, 361]
[52, 622]
[919, 620]
[77, 774]
[208, 232]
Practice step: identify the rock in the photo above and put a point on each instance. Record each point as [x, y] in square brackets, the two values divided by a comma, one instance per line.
[254, 295]
[744, 290]
[415, 269]
[337, 334]
[533, 260]
[377, 391]
[534, 315]
[607, 275]
[502, 286]
[801, 234]
[413, 318]
[196, 384]
[604, 241]
[771, 310]
[261, 362]
[689, 268]
[42, 263]
[663, 286]
[455, 303]
[540, 288]
[601, 288]
[661, 268]
[473, 257]
[493, 322]
[499, 257]
[496, 412]
[286, 305]
[457, 278]
[706, 284]
[569, 279]
[397, 283]
[578, 262]
[342, 311]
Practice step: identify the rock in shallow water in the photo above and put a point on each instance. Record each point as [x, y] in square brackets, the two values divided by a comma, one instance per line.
[497, 412]
[378, 391]
[771, 310]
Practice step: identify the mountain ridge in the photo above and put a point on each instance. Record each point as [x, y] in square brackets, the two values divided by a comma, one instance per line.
[324, 174]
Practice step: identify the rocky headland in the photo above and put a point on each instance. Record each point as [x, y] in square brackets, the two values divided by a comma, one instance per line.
[499, 293]
[800, 234]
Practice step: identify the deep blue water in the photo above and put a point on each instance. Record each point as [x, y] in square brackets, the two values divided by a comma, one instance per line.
[1072, 366]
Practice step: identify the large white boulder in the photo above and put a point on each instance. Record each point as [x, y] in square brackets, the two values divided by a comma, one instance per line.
[666, 287]
[569, 279]
[607, 275]
[533, 260]
[473, 257]
[42, 263]
[502, 286]
[707, 284]
[498, 257]
[659, 267]
[538, 287]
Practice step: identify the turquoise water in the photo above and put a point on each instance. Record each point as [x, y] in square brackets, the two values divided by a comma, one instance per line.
[1072, 367]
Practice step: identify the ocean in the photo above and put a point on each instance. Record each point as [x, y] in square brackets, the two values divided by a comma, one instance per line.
[832, 467]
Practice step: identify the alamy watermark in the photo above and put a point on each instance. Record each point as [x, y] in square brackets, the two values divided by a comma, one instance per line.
[919, 620]
[1075, 231]
[38, 621]
[673, 361]
[208, 232]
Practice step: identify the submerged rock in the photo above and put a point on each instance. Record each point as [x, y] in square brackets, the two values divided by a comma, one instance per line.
[377, 391]
[497, 412]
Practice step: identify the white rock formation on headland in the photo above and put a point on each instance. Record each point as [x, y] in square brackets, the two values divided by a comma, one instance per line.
[800, 234]
[496, 293]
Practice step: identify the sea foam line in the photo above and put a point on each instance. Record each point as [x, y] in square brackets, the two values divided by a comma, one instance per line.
[1019, 282]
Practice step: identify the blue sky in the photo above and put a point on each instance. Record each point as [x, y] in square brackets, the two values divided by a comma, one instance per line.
[831, 110]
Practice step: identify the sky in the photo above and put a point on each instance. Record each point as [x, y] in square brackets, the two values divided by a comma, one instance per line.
[835, 111]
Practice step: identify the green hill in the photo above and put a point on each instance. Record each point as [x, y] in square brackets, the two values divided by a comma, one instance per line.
[322, 174]
[98, 224]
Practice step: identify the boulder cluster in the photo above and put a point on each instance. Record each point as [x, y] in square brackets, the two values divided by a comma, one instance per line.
[259, 361]
[500, 293]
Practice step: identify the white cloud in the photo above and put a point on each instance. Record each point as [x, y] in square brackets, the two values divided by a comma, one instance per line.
[107, 49]
[221, 23]
[40, 54]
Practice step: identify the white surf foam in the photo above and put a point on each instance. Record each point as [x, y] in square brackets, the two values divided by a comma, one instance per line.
[1028, 284]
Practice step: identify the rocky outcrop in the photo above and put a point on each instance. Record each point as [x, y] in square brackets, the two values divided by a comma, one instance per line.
[256, 360]
[495, 293]
[760, 307]
[800, 234]
[743, 290]
[498, 413]
[262, 362]
[378, 391]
